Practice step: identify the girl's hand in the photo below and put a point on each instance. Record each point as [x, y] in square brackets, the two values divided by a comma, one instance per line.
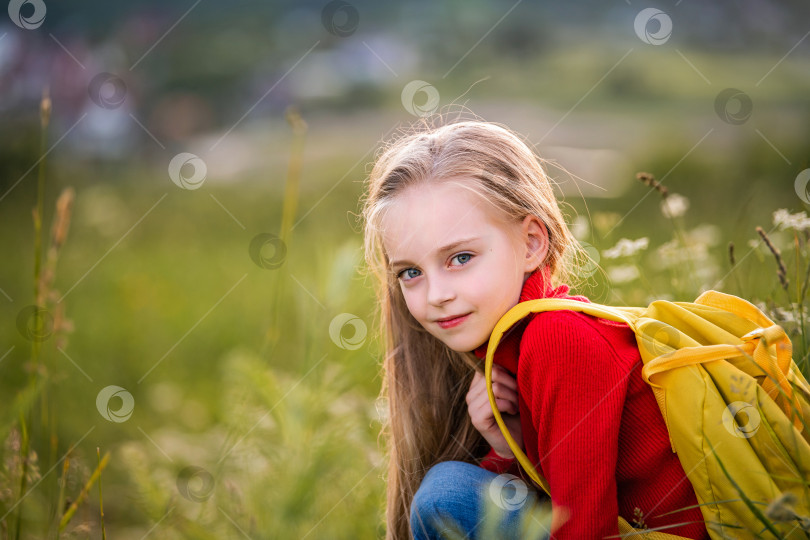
[504, 386]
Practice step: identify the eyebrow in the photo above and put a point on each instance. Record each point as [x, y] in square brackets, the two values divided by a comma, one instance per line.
[443, 249]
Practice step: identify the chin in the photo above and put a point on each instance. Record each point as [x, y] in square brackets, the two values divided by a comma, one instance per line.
[461, 345]
[456, 347]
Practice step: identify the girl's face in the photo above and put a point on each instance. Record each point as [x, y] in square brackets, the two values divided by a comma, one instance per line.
[460, 268]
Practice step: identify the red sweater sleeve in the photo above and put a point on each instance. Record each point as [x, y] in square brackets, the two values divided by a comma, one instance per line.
[499, 465]
[575, 390]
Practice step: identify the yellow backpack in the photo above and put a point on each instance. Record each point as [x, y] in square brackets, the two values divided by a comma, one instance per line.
[734, 402]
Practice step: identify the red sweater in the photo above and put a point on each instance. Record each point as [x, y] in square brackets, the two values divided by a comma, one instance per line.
[591, 425]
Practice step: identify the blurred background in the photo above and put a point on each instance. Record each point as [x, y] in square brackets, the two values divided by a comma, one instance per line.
[184, 308]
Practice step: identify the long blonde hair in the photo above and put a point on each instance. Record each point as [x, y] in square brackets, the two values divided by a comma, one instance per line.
[425, 382]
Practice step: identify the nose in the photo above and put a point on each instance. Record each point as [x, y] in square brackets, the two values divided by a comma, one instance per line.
[440, 290]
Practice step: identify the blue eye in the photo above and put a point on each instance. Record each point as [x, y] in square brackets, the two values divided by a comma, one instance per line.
[465, 256]
[406, 271]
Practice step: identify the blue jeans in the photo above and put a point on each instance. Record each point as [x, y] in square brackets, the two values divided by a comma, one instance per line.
[462, 500]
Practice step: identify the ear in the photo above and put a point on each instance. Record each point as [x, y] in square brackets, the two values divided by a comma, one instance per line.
[535, 237]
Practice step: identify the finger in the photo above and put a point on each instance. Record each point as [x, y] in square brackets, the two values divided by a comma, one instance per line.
[476, 377]
[479, 396]
[503, 392]
[478, 393]
[501, 375]
[484, 419]
[481, 407]
[503, 385]
[506, 406]
[477, 380]
[477, 387]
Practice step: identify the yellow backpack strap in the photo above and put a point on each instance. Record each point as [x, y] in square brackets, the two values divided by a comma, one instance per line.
[517, 313]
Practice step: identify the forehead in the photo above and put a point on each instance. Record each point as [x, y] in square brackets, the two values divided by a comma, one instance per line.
[428, 215]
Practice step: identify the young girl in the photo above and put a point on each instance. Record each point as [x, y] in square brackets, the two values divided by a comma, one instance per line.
[461, 223]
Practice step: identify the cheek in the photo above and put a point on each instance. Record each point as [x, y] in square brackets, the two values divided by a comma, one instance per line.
[496, 285]
[480, 285]
[412, 301]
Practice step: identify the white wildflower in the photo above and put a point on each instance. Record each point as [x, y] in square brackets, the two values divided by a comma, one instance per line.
[781, 217]
[783, 315]
[786, 220]
[623, 274]
[693, 249]
[793, 315]
[674, 205]
[706, 233]
[673, 253]
[626, 248]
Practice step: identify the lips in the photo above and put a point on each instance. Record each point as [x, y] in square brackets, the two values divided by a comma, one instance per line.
[449, 322]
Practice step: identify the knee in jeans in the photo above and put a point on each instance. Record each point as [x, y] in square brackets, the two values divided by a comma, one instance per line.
[442, 491]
